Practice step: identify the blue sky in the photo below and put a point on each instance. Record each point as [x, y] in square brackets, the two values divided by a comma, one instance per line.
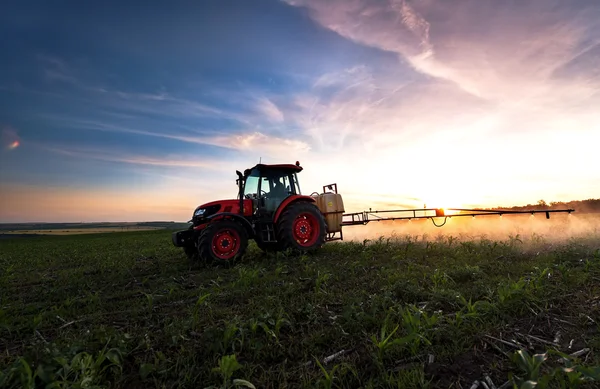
[111, 111]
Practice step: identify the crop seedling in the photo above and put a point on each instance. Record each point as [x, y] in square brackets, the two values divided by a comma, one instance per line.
[531, 366]
[232, 335]
[440, 279]
[200, 302]
[228, 365]
[321, 280]
[570, 375]
[247, 277]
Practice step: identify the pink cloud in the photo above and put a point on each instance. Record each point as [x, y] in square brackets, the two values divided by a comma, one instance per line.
[486, 48]
[10, 138]
[269, 110]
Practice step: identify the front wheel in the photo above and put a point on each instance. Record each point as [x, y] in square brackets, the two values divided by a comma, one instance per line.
[222, 241]
[302, 227]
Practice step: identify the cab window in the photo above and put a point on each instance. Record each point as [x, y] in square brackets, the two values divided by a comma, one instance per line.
[251, 186]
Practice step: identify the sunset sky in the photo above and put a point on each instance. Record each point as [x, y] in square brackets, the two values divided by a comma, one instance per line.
[121, 112]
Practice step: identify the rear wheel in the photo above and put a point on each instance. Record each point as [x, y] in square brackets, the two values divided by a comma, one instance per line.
[302, 227]
[222, 241]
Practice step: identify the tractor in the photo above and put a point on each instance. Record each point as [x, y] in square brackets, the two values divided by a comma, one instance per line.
[269, 209]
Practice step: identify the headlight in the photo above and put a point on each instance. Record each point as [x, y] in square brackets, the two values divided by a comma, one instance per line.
[207, 211]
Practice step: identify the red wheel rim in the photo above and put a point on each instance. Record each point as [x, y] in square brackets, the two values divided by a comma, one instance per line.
[306, 229]
[225, 244]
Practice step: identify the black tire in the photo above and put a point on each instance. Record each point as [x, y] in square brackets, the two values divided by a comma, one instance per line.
[301, 227]
[215, 239]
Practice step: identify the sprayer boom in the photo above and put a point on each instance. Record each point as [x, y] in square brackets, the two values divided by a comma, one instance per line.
[361, 218]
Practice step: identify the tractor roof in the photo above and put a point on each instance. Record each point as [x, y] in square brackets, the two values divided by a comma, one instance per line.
[276, 167]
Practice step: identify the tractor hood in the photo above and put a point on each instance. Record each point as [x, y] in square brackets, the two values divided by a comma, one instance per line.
[208, 209]
[228, 205]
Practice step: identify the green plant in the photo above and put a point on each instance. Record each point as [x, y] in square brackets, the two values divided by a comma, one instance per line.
[439, 278]
[385, 341]
[247, 277]
[228, 365]
[327, 381]
[321, 279]
[197, 308]
[530, 365]
[570, 375]
[232, 335]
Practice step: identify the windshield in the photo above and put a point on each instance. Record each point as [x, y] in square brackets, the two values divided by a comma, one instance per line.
[251, 186]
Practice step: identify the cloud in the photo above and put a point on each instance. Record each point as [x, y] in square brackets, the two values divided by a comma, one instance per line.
[487, 49]
[97, 93]
[122, 156]
[10, 138]
[358, 109]
[240, 120]
[257, 143]
[56, 69]
[267, 108]
[253, 144]
[160, 103]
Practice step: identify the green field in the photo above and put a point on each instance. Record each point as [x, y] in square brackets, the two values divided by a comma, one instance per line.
[128, 310]
[76, 231]
[84, 228]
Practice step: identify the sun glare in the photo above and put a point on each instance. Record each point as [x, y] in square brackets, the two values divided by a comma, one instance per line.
[444, 202]
[14, 145]
[449, 212]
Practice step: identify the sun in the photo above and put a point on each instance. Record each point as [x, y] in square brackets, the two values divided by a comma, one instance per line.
[448, 212]
[443, 201]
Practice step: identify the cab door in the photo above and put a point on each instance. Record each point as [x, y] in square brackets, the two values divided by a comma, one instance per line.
[273, 190]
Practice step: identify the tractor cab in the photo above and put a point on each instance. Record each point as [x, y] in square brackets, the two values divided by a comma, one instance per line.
[268, 186]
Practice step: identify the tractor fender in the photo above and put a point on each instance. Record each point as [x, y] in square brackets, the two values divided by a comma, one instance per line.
[290, 200]
[234, 216]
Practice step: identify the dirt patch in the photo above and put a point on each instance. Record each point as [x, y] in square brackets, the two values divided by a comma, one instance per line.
[461, 370]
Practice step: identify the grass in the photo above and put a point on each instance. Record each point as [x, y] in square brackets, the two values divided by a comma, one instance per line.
[128, 310]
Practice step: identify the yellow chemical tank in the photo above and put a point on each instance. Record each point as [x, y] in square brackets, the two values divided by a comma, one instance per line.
[332, 207]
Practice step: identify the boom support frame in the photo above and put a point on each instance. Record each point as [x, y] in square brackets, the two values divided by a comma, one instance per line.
[362, 218]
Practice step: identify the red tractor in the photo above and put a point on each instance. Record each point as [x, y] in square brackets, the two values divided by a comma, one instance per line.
[269, 209]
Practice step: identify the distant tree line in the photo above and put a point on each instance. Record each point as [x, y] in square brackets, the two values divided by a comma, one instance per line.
[581, 206]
